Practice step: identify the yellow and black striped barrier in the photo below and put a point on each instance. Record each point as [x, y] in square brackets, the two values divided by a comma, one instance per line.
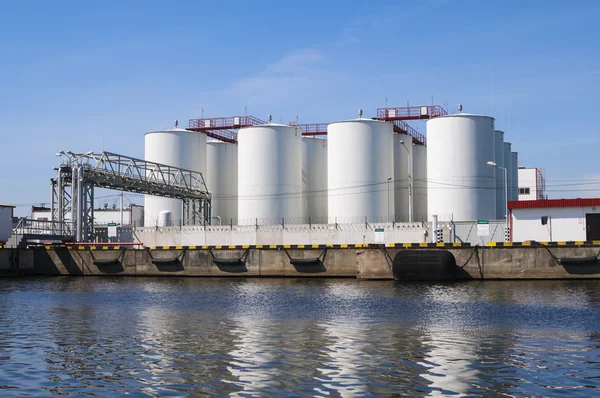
[263, 247]
[572, 243]
[311, 246]
[447, 245]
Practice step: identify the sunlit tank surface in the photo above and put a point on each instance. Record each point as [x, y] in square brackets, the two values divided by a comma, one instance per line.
[314, 178]
[460, 184]
[269, 174]
[179, 148]
[360, 171]
[222, 180]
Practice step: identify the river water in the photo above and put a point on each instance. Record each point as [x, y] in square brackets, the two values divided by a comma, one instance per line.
[83, 336]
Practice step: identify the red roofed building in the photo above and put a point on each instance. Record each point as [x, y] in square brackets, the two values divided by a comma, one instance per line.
[555, 220]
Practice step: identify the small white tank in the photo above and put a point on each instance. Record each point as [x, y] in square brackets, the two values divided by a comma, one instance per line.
[314, 179]
[500, 188]
[164, 218]
[179, 148]
[360, 171]
[460, 184]
[222, 180]
[269, 174]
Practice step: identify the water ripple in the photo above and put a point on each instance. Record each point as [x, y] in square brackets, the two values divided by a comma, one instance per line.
[305, 337]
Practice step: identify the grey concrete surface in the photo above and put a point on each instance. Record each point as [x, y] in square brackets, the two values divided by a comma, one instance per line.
[364, 263]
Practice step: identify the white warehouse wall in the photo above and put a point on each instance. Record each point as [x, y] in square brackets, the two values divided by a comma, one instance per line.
[568, 223]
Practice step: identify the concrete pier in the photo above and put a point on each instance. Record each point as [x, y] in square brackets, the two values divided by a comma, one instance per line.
[357, 261]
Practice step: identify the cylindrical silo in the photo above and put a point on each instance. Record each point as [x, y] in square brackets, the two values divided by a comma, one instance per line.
[360, 171]
[403, 175]
[508, 165]
[314, 179]
[460, 184]
[500, 188]
[514, 186]
[179, 148]
[419, 183]
[222, 180]
[269, 174]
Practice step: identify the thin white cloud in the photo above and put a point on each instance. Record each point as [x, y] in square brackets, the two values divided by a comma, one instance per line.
[298, 75]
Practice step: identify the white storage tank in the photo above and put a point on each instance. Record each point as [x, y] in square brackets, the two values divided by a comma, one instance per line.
[508, 165]
[314, 179]
[165, 218]
[269, 174]
[514, 183]
[419, 179]
[500, 188]
[179, 148]
[460, 184]
[403, 169]
[222, 180]
[360, 171]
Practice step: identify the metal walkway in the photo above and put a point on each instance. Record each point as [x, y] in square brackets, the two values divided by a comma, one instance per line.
[79, 174]
[225, 128]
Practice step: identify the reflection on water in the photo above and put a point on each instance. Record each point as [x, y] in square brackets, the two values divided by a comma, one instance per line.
[298, 337]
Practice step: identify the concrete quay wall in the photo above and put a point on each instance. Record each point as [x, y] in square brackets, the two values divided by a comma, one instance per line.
[358, 261]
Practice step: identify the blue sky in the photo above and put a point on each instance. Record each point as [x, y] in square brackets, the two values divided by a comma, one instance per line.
[97, 75]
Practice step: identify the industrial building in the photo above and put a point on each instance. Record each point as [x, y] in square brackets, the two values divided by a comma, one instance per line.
[6, 216]
[247, 173]
[555, 220]
[532, 184]
[362, 170]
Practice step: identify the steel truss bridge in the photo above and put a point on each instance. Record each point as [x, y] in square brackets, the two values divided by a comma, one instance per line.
[80, 173]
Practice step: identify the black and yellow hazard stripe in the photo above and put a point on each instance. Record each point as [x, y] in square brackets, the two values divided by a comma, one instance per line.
[265, 247]
[570, 243]
[424, 245]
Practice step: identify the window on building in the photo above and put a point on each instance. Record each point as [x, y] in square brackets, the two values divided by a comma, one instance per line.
[523, 191]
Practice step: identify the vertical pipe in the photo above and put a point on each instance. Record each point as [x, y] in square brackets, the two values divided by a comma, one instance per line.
[410, 210]
[507, 230]
[434, 228]
[60, 198]
[74, 201]
[92, 219]
[121, 224]
[52, 204]
[80, 210]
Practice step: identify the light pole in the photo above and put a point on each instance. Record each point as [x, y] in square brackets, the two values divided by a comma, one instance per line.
[408, 170]
[388, 198]
[493, 164]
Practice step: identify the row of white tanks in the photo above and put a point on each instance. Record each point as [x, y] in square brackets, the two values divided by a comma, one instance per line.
[362, 171]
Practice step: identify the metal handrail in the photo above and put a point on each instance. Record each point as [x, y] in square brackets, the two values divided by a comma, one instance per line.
[313, 129]
[410, 112]
[43, 227]
[229, 122]
[402, 127]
